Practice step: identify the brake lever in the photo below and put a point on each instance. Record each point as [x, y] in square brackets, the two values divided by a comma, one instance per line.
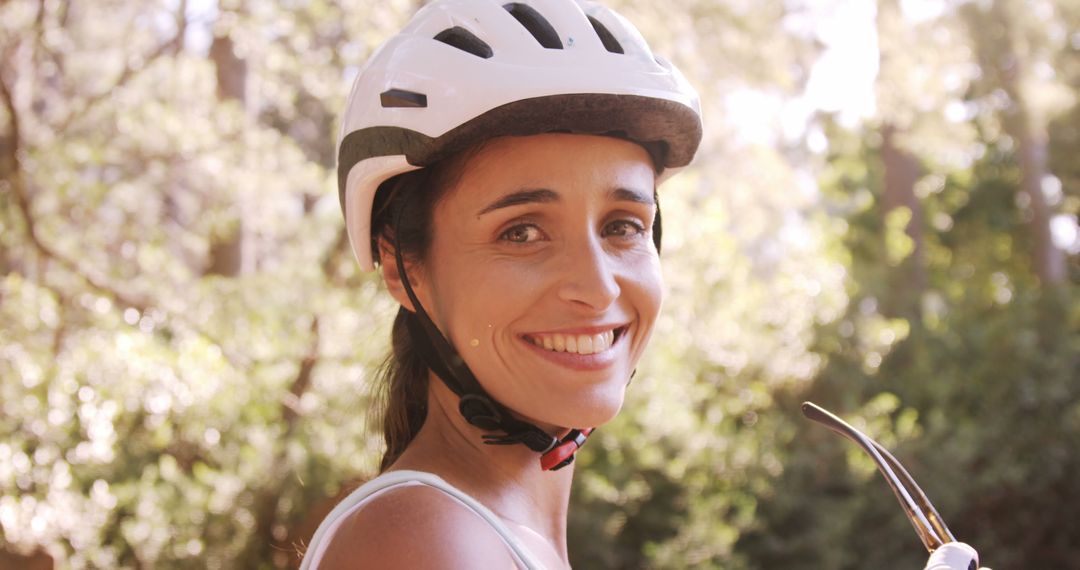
[923, 516]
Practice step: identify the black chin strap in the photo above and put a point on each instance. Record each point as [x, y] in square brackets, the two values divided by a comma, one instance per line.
[475, 405]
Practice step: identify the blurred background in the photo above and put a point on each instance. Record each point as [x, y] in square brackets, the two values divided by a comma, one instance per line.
[883, 219]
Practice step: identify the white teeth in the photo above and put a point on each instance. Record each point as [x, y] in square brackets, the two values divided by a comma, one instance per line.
[576, 344]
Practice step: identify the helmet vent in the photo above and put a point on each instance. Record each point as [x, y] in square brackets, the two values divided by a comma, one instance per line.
[606, 37]
[537, 25]
[465, 41]
[402, 98]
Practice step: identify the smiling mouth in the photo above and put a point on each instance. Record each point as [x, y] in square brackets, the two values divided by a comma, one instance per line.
[576, 343]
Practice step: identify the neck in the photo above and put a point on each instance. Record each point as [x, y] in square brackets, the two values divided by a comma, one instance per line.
[505, 478]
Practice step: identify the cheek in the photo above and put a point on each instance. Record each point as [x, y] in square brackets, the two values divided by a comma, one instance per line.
[644, 291]
[480, 301]
[646, 283]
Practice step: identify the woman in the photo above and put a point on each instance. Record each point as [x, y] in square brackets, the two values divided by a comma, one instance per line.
[499, 162]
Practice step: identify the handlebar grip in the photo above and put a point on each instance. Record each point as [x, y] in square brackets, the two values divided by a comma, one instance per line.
[953, 556]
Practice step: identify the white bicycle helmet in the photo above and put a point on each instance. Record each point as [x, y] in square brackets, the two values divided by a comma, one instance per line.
[464, 71]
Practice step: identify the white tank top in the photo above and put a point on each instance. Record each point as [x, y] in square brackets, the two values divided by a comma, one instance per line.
[396, 479]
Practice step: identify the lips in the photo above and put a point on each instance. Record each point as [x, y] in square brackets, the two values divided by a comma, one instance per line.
[593, 342]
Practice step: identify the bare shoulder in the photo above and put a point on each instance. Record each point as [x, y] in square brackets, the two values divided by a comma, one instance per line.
[415, 527]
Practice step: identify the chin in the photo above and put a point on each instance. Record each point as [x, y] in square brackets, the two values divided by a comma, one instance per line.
[592, 409]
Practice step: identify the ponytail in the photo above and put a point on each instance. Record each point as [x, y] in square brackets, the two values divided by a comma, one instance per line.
[404, 375]
[402, 379]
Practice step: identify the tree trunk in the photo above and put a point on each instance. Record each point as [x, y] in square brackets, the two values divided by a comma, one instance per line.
[227, 252]
[5, 195]
[231, 70]
[901, 172]
[37, 560]
[900, 168]
[1031, 149]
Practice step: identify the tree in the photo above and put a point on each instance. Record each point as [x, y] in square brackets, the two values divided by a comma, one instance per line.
[1006, 57]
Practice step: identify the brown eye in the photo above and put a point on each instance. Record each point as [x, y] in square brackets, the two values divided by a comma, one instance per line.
[623, 229]
[523, 233]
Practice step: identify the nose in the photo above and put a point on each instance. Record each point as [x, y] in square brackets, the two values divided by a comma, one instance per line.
[588, 277]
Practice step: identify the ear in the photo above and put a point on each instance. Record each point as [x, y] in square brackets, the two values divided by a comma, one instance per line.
[391, 274]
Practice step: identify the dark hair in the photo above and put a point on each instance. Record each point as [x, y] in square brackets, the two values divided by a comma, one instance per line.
[402, 379]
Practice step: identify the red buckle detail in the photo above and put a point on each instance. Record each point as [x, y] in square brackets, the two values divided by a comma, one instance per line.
[563, 453]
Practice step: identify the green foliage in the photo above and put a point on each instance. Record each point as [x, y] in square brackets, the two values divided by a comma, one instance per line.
[979, 398]
[151, 408]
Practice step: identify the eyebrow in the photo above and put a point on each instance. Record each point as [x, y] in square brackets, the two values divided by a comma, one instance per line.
[628, 195]
[528, 196]
[545, 196]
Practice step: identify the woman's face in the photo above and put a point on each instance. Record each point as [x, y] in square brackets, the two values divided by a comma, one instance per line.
[543, 274]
